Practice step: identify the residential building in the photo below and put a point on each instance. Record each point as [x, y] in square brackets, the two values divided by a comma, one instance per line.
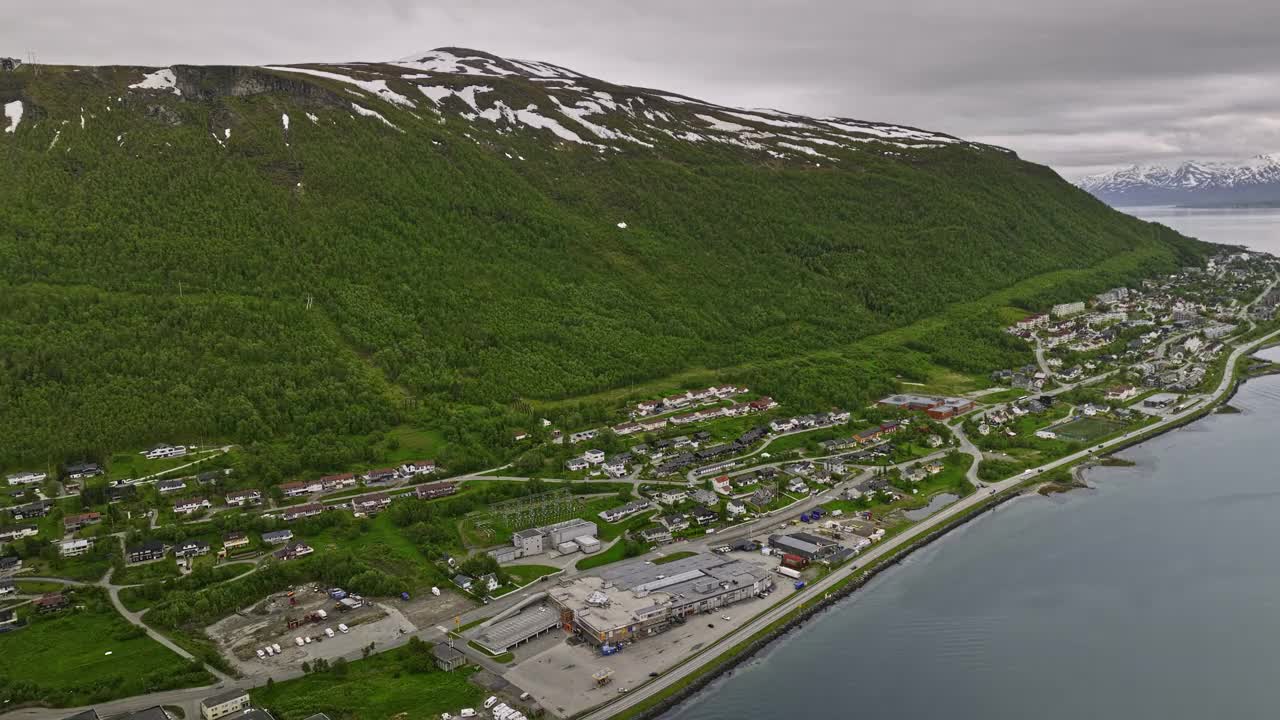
[168, 487]
[671, 497]
[27, 478]
[277, 537]
[72, 523]
[50, 602]
[675, 522]
[329, 483]
[10, 565]
[145, 552]
[18, 532]
[381, 475]
[593, 457]
[37, 509]
[1063, 310]
[418, 467]
[293, 551]
[235, 541]
[370, 504]
[618, 513]
[302, 511]
[191, 505]
[76, 547]
[80, 471]
[240, 498]
[165, 451]
[429, 491]
[656, 535]
[223, 704]
[575, 464]
[191, 548]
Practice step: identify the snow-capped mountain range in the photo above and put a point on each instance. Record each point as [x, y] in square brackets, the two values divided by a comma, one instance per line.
[1256, 180]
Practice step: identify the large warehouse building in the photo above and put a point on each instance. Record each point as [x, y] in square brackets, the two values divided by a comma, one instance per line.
[636, 599]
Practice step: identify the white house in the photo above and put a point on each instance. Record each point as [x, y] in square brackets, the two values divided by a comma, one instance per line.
[27, 478]
[671, 497]
[575, 464]
[165, 451]
[593, 457]
[186, 507]
[75, 548]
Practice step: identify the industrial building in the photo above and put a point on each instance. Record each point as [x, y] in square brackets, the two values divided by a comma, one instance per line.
[805, 545]
[565, 537]
[636, 599]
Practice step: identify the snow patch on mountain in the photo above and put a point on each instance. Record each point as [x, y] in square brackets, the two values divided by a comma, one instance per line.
[374, 114]
[376, 87]
[163, 80]
[13, 111]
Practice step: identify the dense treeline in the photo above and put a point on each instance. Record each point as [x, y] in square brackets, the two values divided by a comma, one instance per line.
[156, 283]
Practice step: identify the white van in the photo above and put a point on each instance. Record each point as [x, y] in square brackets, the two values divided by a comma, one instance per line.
[490, 702]
[276, 647]
[328, 632]
[467, 713]
[261, 654]
[298, 641]
[342, 628]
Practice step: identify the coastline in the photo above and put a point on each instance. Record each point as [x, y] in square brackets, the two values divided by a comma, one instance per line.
[725, 662]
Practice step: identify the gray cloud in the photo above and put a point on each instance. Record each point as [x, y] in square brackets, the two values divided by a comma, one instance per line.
[1081, 86]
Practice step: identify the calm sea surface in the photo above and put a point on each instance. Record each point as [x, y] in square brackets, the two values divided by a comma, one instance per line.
[1157, 595]
[1258, 229]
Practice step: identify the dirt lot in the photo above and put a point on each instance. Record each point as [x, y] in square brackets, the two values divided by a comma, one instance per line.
[558, 675]
[241, 635]
[426, 610]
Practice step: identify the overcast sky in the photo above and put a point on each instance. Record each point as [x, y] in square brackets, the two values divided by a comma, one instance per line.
[1082, 86]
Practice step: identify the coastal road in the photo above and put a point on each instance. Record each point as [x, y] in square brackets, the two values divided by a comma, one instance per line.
[957, 509]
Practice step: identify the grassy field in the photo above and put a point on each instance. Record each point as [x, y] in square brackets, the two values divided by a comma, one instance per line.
[384, 540]
[395, 684]
[525, 574]
[146, 572]
[1085, 429]
[89, 656]
[131, 465]
[615, 552]
[405, 443]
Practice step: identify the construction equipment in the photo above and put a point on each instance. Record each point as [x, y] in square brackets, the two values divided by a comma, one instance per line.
[603, 677]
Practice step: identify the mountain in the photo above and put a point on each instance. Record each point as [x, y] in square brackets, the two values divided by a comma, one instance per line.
[1256, 180]
[336, 263]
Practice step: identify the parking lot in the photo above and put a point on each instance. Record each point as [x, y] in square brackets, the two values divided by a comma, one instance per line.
[559, 675]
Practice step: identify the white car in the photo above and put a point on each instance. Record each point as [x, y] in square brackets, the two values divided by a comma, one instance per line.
[490, 702]
[726, 618]
[261, 654]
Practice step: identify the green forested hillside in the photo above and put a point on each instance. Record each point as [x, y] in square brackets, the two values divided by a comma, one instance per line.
[182, 266]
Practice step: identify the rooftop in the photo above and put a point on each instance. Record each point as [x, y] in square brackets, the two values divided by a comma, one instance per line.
[517, 628]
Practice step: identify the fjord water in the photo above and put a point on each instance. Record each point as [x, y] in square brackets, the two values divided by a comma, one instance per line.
[1255, 228]
[1155, 595]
